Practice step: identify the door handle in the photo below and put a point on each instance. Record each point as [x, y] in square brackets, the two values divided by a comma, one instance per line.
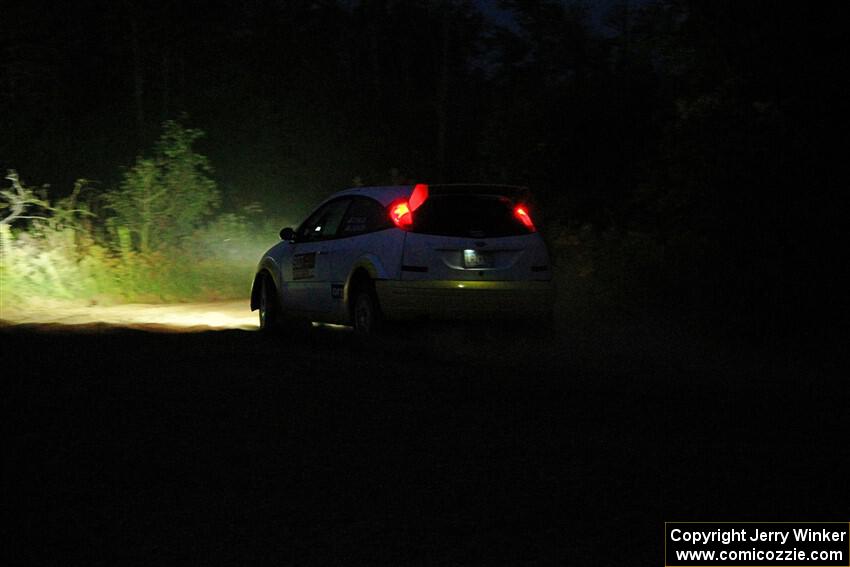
[322, 252]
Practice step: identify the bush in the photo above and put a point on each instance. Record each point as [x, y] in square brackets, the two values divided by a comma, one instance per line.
[165, 197]
[46, 260]
[161, 242]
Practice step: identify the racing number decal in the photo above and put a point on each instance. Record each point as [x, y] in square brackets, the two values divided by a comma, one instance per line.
[303, 266]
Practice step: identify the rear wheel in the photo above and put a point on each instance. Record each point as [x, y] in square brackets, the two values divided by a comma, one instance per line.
[366, 313]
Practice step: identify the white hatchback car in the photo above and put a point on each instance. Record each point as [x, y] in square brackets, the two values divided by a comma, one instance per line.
[371, 254]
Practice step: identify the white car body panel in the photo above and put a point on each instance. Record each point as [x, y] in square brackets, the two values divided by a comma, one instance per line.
[307, 277]
[378, 253]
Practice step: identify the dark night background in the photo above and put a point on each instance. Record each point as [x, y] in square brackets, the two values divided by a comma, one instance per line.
[689, 151]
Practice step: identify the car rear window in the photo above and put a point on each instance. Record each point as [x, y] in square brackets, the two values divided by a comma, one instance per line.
[476, 216]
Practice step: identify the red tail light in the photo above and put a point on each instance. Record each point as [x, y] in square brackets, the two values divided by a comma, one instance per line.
[401, 211]
[420, 193]
[521, 213]
[400, 214]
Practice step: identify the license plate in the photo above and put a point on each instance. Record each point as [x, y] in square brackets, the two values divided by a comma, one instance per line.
[475, 259]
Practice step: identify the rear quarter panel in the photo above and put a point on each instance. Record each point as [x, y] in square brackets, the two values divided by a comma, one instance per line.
[378, 253]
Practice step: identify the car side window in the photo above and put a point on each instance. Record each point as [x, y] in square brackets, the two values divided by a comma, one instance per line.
[364, 215]
[324, 223]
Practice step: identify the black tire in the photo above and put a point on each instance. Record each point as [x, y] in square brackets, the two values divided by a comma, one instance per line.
[269, 309]
[366, 314]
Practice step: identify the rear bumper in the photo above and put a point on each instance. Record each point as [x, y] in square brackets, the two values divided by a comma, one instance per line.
[450, 299]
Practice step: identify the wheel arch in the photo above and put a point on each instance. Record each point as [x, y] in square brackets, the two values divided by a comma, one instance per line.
[264, 271]
[363, 273]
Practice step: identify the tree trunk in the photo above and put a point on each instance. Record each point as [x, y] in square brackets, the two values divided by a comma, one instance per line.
[166, 94]
[138, 76]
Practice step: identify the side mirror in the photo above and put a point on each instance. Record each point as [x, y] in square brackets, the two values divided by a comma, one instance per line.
[287, 234]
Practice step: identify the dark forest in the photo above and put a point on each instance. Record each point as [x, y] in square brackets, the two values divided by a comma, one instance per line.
[689, 148]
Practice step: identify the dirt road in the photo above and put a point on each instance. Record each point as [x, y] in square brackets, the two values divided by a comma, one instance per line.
[444, 447]
[174, 316]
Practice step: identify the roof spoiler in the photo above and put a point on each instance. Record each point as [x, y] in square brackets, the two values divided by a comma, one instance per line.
[514, 192]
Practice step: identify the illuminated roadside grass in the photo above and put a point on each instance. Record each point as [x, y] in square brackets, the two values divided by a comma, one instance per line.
[181, 316]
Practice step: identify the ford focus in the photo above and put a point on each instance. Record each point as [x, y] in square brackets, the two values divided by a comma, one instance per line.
[374, 254]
